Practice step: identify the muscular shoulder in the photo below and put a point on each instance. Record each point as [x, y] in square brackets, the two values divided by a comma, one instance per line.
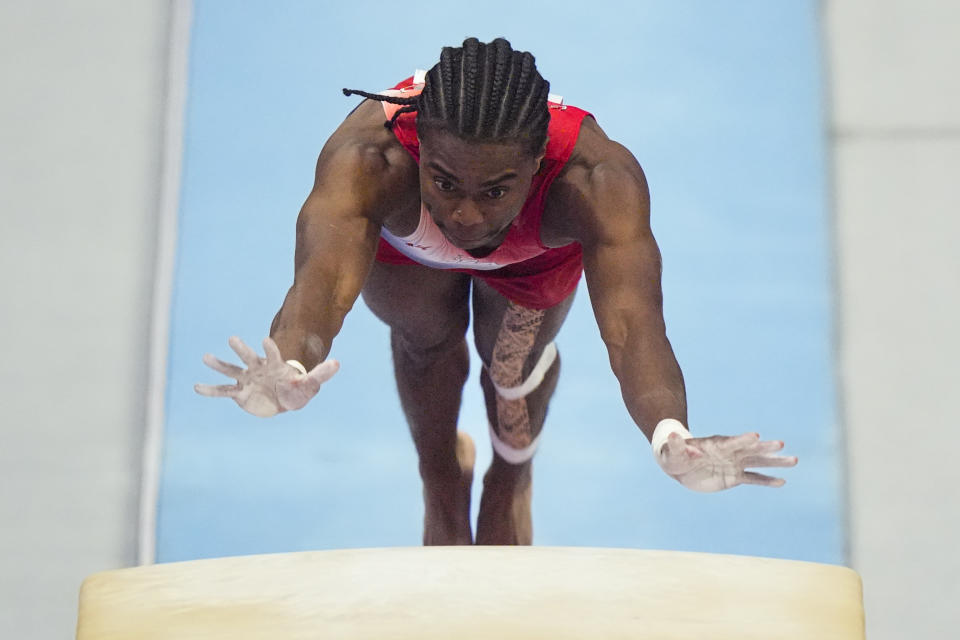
[601, 191]
[363, 159]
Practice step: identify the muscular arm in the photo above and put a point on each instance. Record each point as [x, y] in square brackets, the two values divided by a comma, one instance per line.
[611, 207]
[605, 205]
[337, 233]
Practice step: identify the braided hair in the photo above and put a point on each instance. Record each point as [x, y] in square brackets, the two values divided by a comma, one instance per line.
[480, 92]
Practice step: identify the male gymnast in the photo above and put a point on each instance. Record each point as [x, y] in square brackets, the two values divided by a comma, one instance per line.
[470, 187]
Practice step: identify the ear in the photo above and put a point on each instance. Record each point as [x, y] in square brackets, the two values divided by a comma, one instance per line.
[541, 155]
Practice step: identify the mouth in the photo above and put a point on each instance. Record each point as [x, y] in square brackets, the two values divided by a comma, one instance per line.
[469, 243]
[494, 237]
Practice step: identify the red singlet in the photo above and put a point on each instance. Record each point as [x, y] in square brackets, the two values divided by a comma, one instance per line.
[521, 269]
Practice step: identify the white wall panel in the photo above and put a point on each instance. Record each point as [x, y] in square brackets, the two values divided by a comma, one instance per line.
[896, 118]
[894, 64]
[900, 287]
[80, 129]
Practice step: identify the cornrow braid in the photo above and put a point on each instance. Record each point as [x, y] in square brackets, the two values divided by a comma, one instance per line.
[480, 92]
[502, 60]
[410, 103]
[443, 77]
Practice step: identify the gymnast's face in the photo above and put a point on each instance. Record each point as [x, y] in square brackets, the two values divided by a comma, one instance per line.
[472, 190]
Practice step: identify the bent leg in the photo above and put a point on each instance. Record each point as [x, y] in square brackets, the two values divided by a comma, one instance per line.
[427, 311]
[520, 373]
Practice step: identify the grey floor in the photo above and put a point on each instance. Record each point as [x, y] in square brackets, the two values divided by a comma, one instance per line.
[80, 139]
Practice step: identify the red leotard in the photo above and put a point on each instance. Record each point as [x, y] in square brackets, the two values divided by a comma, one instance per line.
[522, 269]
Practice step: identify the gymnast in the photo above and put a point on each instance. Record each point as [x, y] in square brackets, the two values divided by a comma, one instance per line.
[471, 187]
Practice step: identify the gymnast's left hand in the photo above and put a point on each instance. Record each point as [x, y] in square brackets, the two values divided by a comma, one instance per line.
[720, 462]
[269, 385]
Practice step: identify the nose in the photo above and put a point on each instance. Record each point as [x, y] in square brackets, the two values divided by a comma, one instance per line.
[466, 214]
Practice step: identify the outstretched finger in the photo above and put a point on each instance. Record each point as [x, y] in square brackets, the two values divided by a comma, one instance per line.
[225, 368]
[272, 351]
[735, 443]
[750, 477]
[217, 391]
[248, 355]
[768, 446]
[311, 383]
[770, 461]
[323, 371]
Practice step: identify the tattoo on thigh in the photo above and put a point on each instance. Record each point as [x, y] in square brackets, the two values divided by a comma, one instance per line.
[518, 332]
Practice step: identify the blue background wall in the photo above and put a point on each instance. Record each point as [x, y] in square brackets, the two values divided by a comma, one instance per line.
[722, 105]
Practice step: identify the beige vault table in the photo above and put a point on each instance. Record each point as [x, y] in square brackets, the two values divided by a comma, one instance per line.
[475, 592]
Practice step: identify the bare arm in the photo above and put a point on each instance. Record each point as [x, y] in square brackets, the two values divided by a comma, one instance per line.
[362, 176]
[337, 233]
[609, 205]
[622, 267]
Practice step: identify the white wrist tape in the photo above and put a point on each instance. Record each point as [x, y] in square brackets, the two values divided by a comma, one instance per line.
[296, 365]
[664, 428]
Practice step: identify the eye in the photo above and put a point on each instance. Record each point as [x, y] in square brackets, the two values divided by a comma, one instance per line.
[443, 184]
[496, 193]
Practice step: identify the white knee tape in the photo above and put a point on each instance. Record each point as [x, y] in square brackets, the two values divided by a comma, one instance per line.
[508, 453]
[533, 380]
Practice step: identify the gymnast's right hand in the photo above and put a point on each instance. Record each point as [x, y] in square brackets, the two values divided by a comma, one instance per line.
[269, 385]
